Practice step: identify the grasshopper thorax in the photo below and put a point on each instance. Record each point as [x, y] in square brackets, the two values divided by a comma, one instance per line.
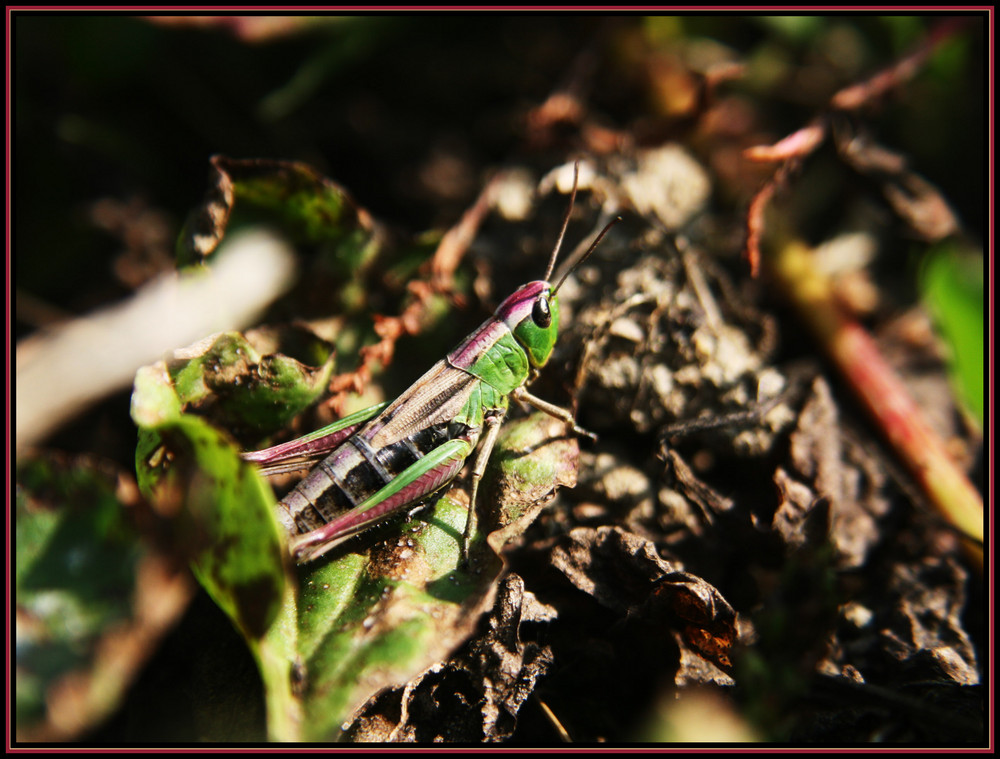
[531, 313]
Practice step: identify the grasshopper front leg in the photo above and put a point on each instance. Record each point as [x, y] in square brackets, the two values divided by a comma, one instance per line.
[522, 395]
[492, 421]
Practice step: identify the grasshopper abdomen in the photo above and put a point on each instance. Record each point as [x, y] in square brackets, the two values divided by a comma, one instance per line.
[358, 469]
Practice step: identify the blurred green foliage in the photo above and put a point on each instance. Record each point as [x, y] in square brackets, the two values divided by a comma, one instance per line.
[951, 282]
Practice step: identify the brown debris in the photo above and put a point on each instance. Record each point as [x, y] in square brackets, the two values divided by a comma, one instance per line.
[476, 696]
[624, 572]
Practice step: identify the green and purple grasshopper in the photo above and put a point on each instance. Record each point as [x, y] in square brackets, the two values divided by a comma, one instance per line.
[392, 457]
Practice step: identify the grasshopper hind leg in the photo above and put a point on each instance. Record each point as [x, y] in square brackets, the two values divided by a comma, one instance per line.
[418, 482]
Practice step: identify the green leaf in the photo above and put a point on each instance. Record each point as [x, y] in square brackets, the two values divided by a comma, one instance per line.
[228, 520]
[223, 511]
[392, 603]
[154, 399]
[292, 196]
[951, 282]
[533, 456]
[243, 389]
[225, 524]
[231, 381]
[398, 599]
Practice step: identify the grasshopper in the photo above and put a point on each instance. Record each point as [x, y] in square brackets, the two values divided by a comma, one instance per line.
[392, 457]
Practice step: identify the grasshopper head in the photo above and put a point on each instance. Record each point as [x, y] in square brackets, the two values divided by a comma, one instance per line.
[532, 315]
[532, 312]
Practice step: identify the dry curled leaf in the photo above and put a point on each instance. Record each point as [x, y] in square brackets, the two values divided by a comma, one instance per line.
[624, 572]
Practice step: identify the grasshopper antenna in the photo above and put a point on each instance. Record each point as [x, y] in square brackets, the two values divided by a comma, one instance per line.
[565, 224]
[585, 256]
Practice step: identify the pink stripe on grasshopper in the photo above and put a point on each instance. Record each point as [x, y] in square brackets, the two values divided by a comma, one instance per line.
[477, 344]
[517, 306]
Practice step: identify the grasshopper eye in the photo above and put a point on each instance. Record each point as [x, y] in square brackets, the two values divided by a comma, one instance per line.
[540, 313]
